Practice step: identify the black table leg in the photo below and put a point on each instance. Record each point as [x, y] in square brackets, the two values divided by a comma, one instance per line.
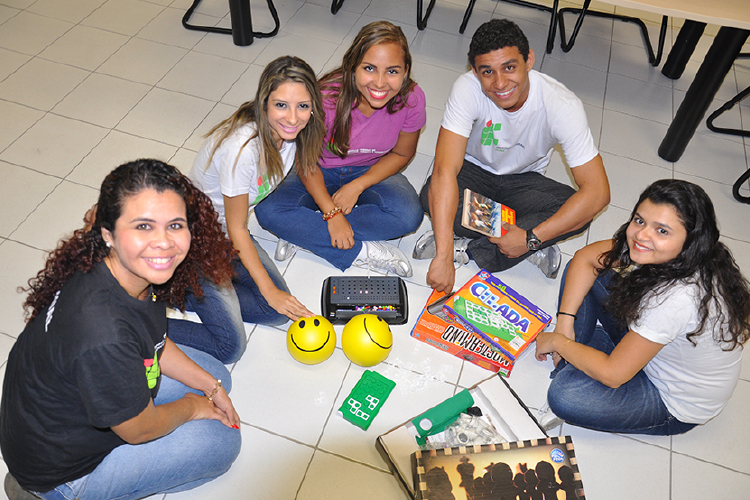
[683, 48]
[713, 70]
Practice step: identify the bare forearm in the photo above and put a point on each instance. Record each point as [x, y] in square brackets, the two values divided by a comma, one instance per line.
[443, 199]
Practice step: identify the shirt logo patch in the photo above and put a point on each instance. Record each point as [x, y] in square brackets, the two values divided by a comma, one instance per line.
[264, 188]
[152, 370]
[488, 133]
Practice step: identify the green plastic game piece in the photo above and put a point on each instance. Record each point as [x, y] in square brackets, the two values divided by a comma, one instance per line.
[489, 322]
[366, 399]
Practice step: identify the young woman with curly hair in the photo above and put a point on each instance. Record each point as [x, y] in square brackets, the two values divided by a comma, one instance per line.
[673, 310]
[243, 160]
[85, 410]
[344, 210]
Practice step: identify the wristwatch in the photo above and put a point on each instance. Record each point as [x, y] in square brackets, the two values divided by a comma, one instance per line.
[533, 243]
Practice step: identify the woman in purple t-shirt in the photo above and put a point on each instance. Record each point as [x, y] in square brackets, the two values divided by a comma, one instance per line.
[357, 198]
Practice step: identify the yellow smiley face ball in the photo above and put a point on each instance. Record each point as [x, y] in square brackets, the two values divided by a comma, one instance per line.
[366, 340]
[311, 340]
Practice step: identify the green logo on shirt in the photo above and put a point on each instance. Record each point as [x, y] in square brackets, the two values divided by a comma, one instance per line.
[152, 371]
[488, 137]
[264, 189]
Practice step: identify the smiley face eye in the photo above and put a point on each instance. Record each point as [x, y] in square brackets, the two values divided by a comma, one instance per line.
[317, 323]
[302, 324]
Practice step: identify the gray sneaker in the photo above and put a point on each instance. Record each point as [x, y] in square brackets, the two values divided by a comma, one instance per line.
[284, 250]
[548, 260]
[547, 419]
[386, 257]
[427, 249]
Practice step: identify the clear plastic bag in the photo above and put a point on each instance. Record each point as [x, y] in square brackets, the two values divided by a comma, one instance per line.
[467, 430]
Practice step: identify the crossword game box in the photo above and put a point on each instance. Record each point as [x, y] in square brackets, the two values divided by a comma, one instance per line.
[504, 318]
[434, 327]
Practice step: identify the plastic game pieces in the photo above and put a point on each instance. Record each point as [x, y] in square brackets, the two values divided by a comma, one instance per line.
[366, 399]
[437, 418]
[311, 340]
[366, 340]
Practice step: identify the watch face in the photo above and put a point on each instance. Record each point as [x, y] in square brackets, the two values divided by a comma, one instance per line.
[532, 242]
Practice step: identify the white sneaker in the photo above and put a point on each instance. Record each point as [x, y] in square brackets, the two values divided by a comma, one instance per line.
[548, 260]
[284, 250]
[547, 419]
[426, 248]
[383, 256]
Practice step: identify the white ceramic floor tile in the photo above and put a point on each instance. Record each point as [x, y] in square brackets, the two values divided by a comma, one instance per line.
[16, 120]
[588, 51]
[316, 22]
[203, 75]
[10, 61]
[632, 137]
[20, 263]
[7, 13]
[129, 63]
[219, 44]
[725, 155]
[245, 88]
[166, 116]
[331, 478]
[441, 49]
[54, 145]
[435, 81]
[73, 12]
[84, 47]
[41, 84]
[220, 113]
[57, 216]
[619, 468]
[315, 54]
[428, 137]
[642, 99]
[689, 480]
[632, 62]
[729, 119]
[114, 150]
[276, 393]
[166, 28]
[628, 178]
[20, 193]
[126, 17]
[721, 440]
[587, 83]
[269, 466]
[102, 100]
[29, 33]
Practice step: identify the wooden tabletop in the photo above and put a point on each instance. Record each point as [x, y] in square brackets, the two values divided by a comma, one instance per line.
[732, 13]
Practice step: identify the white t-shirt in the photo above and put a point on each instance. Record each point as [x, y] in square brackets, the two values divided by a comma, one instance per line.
[221, 178]
[695, 382]
[503, 142]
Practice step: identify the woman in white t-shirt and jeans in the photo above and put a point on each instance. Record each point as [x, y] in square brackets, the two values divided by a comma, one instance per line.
[673, 312]
[243, 160]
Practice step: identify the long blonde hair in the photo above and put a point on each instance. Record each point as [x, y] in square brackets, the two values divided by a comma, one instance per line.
[309, 140]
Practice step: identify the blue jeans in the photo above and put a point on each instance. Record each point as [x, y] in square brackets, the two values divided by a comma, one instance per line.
[387, 210]
[534, 197]
[635, 407]
[222, 311]
[193, 454]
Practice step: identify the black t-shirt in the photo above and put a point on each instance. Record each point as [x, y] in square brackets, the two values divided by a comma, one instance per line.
[85, 363]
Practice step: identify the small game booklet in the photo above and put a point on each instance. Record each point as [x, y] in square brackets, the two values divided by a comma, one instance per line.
[484, 215]
[539, 468]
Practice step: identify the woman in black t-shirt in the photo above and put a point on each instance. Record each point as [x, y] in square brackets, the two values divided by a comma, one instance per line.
[85, 412]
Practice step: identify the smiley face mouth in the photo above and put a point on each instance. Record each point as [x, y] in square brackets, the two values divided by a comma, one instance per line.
[364, 323]
[311, 350]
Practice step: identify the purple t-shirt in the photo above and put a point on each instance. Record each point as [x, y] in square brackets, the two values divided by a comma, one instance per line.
[374, 136]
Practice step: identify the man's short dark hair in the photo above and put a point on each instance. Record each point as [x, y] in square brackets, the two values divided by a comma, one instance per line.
[496, 34]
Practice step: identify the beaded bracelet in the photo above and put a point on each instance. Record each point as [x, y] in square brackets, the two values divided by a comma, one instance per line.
[332, 213]
[216, 389]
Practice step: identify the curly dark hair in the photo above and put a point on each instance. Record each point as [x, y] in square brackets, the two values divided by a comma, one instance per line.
[703, 260]
[210, 250]
[496, 34]
[340, 84]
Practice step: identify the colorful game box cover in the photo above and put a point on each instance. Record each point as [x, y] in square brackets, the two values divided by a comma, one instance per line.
[434, 327]
[484, 215]
[538, 468]
[500, 315]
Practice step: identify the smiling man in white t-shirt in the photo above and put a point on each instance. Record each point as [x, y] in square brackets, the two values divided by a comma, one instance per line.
[501, 124]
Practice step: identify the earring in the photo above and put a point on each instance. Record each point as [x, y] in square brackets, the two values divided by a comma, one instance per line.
[109, 245]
